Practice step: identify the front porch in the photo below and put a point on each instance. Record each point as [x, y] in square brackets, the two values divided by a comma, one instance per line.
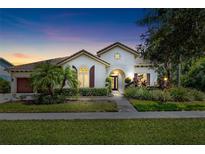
[119, 80]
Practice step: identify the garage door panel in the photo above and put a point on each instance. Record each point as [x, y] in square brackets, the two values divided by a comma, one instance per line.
[24, 85]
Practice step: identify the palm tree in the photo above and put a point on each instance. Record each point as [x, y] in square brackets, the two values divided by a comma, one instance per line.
[70, 77]
[45, 77]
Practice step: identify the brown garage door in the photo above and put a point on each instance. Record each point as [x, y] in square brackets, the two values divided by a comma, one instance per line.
[23, 85]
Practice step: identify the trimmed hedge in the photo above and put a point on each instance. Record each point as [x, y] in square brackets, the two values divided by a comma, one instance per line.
[68, 91]
[93, 91]
[84, 92]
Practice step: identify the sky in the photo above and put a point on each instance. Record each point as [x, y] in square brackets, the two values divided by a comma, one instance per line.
[29, 35]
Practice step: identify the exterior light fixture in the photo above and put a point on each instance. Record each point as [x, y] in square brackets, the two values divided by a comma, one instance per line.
[165, 78]
[116, 72]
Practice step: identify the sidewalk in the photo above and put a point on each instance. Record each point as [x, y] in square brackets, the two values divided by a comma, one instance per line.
[101, 115]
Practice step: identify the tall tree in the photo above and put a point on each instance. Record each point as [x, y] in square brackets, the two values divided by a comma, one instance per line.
[45, 77]
[195, 78]
[173, 36]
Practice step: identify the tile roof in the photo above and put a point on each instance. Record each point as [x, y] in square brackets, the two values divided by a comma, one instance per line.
[117, 44]
[56, 61]
[29, 67]
[86, 53]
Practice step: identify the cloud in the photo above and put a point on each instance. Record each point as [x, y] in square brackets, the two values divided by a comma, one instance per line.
[21, 55]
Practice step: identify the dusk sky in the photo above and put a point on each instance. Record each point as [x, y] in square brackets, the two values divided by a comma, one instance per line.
[28, 35]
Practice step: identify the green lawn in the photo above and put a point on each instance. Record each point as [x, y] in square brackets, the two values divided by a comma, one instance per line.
[142, 105]
[155, 131]
[74, 106]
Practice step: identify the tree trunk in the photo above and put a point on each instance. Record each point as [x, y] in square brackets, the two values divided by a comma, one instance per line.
[168, 73]
[179, 73]
[50, 90]
[63, 84]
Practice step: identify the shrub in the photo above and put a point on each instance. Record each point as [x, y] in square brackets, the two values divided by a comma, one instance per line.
[68, 92]
[130, 92]
[59, 99]
[195, 77]
[180, 94]
[48, 99]
[108, 83]
[93, 91]
[146, 94]
[161, 95]
[197, 95]
[4, 86]
[143, 93]
[138, 93]
[127, 80]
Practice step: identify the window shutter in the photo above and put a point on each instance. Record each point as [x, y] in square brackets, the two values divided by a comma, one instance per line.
[148, 79]
[92, 76]
[135, 77]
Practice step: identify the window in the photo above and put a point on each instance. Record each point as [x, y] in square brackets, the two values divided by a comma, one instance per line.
[83, 76]
[143, 79]
[117, 56]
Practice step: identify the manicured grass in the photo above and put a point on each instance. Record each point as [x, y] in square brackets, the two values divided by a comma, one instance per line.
[74, 106]
[155, 131]
[142, 105]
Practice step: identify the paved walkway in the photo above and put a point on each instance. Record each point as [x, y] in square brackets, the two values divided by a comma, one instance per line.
[101, 115]
[122, 103]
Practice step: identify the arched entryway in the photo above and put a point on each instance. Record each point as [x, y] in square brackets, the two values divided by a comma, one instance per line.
[118, 77]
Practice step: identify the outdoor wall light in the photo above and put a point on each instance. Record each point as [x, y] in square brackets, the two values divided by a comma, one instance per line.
[116, 72]
[165, 78]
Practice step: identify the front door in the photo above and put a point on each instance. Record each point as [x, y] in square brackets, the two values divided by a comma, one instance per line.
[114, 82]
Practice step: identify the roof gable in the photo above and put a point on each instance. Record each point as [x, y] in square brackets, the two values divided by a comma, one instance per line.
[83, 52]
[4, 63]
[114, 45]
